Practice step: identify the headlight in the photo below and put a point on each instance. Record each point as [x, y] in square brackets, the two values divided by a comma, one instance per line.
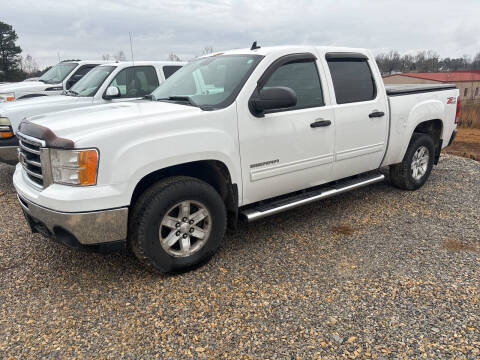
[7, 97]
[74, 167]
[5, 128]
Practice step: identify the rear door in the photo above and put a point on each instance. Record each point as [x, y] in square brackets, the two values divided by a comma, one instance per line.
[361, 122]
[287, 149]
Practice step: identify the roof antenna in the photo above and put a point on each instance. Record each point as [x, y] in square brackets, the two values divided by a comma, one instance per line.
[131, 47]
[255, 46]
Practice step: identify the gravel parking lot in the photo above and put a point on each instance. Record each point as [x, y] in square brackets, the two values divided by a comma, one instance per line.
[378, 273]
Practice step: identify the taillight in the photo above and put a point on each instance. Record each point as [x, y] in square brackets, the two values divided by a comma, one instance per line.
[457, 114]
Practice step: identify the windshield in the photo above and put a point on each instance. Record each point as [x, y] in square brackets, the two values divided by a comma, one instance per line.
[89, 84]
[57, 73]
[211, 82]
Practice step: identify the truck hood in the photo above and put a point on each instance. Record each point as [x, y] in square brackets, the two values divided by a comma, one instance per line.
[16, 111]
[24, 86]
[81, 122]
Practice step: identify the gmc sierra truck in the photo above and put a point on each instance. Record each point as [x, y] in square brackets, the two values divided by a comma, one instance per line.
[108, 83]
[244, 133]
[57, 79]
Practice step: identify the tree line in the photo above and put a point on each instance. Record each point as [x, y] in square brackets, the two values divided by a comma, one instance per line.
[424, 61]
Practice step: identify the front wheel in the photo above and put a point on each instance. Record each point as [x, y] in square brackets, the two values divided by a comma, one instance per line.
[177, 224]
[417, 163]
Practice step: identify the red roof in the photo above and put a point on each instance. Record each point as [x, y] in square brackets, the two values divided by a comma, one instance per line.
[454, 76]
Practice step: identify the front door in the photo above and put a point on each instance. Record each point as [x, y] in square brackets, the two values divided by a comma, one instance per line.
[290, 149]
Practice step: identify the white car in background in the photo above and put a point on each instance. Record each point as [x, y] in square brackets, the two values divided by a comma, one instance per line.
[57, 79]
[106, 83]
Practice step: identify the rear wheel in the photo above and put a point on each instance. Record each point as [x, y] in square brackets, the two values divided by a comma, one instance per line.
[417, 163]
[177, 224]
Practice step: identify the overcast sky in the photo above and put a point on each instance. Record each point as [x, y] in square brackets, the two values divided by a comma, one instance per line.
[87, 29]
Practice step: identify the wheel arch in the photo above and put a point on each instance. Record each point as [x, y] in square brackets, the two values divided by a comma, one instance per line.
[434, 128]
[213, 172]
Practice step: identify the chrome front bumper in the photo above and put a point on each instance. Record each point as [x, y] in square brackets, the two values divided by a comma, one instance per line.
[8, 155]
[86, 228]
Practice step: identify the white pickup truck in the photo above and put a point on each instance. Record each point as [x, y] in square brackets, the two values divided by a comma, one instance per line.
[108, 83]
[57, 79]
[244, 133]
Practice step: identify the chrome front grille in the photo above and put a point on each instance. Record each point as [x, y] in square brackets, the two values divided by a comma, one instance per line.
[29, 153]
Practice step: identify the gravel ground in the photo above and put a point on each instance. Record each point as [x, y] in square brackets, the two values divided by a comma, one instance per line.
[378, 273]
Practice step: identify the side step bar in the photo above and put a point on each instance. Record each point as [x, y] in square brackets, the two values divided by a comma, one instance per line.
[277, 206]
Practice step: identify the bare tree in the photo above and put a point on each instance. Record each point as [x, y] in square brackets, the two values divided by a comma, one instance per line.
[207, 50]
[106, 57]
[476, 62]
[29, 65]
[173, 57]
[120, 56]
[424, 61]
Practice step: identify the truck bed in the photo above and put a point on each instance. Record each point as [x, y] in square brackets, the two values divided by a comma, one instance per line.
[413, 104]
[407, 89]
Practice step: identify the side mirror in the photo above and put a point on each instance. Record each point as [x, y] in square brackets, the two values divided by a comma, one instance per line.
[274, 98]
[111, 93]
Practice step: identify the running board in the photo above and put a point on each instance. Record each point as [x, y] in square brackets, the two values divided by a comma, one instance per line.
[277, 206]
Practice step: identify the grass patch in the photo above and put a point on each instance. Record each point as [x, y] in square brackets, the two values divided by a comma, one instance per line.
[469, 115]
[455, 245]
[343, 229]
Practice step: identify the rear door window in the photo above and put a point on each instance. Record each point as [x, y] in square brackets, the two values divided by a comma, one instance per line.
[352, 79]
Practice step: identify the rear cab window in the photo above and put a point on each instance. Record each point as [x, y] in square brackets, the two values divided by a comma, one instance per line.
[352, 78]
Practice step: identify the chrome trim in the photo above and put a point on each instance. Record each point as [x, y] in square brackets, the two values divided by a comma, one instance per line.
[8, 154]
[5, 128]
[88, 227]
[33, 151]
[254, 214]
[31, 140]
[46, 167]
[31, 162]
[29, 172]
[24, 150]
[30, 181]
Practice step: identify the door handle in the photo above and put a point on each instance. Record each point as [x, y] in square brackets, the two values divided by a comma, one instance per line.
[320, 123]
[376, 113]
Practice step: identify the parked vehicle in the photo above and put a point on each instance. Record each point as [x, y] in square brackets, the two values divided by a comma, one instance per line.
[57, 79]
[245, 132]
[114, 82]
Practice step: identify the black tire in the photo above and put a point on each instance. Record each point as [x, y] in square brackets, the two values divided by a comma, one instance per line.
[150, 208]
[401, 175]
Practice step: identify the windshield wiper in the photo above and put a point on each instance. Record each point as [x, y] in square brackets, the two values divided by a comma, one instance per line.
[187, 99]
